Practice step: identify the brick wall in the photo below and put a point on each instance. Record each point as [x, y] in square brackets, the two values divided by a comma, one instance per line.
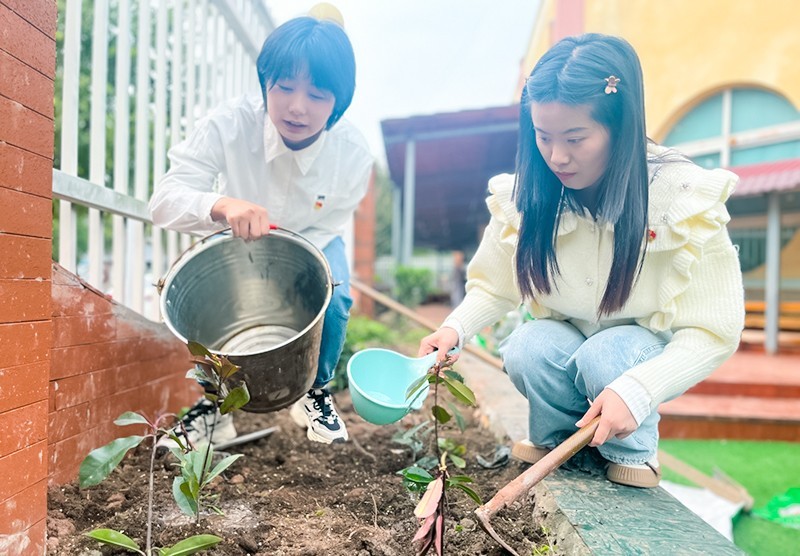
[70, 360]
[27, 69]
[106, 359]
[364, 248]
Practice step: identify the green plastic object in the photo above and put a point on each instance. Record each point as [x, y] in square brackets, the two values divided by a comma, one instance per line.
[783, 509]
[379, 379]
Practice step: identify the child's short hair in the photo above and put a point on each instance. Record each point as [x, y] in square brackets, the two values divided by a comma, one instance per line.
[319, 47]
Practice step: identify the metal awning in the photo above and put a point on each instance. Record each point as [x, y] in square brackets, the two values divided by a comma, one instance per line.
[767, 177]
[452, 155]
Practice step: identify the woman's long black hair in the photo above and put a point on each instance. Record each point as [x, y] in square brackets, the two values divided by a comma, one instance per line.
[573, 72]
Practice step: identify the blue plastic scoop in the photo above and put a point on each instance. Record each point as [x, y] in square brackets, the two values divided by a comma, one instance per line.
[379, 379]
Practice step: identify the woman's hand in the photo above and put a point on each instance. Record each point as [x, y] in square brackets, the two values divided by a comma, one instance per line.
[443, 339]
[247, 220]
[616, 420]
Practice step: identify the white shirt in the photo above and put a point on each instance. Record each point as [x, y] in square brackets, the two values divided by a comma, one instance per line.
[237, 152]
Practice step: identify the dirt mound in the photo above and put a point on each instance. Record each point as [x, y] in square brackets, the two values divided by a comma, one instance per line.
[290, 496]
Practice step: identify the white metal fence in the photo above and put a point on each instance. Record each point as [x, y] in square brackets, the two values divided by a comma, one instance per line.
[172, 60]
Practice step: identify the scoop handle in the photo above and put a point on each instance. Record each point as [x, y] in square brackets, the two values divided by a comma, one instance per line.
[430, 359]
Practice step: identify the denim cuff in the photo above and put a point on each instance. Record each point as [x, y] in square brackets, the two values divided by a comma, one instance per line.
[634, 395]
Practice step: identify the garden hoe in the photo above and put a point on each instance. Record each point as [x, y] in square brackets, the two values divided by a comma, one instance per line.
[530, 477]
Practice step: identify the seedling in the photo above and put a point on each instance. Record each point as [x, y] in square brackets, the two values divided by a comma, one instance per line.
[196, 462]
[431, 509]
[102, 461]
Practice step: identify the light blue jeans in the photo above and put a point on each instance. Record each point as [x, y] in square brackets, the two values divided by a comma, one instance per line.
[336, 315]
[557, 368]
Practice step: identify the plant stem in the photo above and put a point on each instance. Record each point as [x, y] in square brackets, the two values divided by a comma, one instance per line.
[150, 497]
[205, 466]
[435, 403]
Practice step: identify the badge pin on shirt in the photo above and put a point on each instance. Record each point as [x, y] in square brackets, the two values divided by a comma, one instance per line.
[319, 202]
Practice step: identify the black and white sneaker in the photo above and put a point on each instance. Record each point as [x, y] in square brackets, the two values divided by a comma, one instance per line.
[315, 412]
[198, 423]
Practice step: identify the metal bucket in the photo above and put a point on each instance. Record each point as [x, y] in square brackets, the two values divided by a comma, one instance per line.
[260, 303]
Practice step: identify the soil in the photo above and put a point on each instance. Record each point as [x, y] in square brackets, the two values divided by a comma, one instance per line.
[290, 496]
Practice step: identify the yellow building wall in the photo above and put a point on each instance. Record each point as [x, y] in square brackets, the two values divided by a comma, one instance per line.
[690, 49]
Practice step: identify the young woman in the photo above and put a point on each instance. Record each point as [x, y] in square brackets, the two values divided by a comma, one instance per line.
[619, 248]
[282, 156]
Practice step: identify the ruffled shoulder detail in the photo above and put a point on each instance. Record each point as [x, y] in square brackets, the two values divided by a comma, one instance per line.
[687, 209]
[687, 204]
[501, 200]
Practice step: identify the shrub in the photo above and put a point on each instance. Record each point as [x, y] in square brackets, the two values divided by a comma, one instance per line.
[412, 285]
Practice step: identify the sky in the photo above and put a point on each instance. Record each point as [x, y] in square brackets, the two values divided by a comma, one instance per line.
[417, 57]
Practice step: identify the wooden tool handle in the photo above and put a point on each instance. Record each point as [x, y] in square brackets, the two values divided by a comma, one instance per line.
[538, 471]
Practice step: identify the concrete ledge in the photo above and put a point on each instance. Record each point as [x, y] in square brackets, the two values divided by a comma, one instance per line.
[581, 511]
[584, 513]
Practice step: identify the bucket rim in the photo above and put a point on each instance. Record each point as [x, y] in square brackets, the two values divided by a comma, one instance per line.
[225, 235]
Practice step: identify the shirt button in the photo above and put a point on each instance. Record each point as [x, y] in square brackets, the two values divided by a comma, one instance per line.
[589, 282]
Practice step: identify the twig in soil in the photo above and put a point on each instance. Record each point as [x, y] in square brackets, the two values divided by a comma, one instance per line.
[361, 449]
[375, 509]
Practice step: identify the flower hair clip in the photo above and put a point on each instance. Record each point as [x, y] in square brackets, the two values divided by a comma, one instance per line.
[611, 84]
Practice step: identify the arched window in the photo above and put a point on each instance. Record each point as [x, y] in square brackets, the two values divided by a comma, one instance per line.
[738, 126]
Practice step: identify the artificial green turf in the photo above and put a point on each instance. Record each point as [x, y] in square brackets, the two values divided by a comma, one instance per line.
[765, 469]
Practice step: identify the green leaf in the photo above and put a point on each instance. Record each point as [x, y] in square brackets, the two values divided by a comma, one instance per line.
[440, 414]
[114, 538]
[199, 460]
[460, 391]
[460, 421]
[198, 349]
[235, 399]
[471, 493]
[427, 462]
[454, 375]
[211, 397]
[191, 545]
[184, 500]
[457, 461]
[228, 369]
[416, 474]
[102, 461]
[416, 385]
[131, 418]
[458, 479]
[221, 466]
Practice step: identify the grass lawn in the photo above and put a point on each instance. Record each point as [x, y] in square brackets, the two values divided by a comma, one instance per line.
[765, 469]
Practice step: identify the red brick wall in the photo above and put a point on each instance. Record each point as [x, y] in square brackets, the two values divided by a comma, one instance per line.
[27, 69]
[364, 248]
[106, 359]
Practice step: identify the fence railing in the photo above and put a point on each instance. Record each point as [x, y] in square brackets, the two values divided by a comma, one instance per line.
[172, 60]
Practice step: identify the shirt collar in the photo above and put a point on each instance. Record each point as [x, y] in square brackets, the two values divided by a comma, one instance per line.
[275, 147]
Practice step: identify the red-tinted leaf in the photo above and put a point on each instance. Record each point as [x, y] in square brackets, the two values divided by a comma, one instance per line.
[438, 535]
[430, 500]
[424, 528]
[425, 546]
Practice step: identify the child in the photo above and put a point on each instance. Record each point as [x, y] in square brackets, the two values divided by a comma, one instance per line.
[618, 246]
[281, 157]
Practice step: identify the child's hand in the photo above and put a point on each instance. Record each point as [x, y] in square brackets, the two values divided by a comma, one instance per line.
[247, 220]
[443, 339]
[616, 420]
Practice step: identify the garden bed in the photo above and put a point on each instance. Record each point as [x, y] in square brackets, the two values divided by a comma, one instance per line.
[290, 496]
